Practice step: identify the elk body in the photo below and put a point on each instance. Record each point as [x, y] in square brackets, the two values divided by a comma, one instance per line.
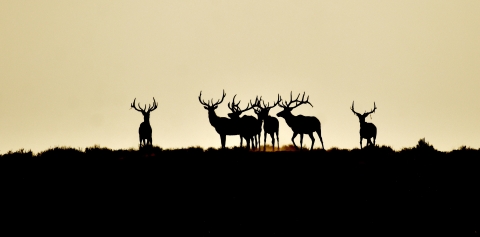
[223, 126]
[270, 124]
[367, 130]
[249, 126]
[300, 124]
[145, 130]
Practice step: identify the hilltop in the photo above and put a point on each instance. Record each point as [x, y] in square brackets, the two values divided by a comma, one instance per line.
[234, 192]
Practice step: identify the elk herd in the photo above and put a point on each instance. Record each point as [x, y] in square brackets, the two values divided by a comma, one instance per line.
[249, 128]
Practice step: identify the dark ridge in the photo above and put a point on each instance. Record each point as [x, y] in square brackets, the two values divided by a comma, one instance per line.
[235, 192]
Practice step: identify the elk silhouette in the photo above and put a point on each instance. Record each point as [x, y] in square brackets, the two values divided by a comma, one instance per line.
[223, 126]
[300, 124]
[367, 130]
[145, 130]
[248, 125]
[270, 124]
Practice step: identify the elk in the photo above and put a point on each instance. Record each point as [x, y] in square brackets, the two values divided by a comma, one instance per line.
[367, 130]
[145, 130]
[223, 126]
[270, 124]
[300, 124]
[248, 125]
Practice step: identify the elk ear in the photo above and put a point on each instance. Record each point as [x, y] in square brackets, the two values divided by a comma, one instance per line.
[205, 107]
[215, 107]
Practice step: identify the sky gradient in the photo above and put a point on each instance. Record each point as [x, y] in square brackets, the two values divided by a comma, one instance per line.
[70, 69]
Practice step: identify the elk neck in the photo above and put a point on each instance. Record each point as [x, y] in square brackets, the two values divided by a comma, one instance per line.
[146, 118]
[289, 118]
[212, 117]
[362, 121]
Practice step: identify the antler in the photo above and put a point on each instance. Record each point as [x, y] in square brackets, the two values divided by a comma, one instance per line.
[285, 104]
[366, 113]
[267, 106]
[139, 109]
[373, 110]
[234, 107]
[154, 107]
[133, 106]
[208, 102]
[353, 110]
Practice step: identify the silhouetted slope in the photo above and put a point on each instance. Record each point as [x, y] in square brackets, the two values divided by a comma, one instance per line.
[233, 192]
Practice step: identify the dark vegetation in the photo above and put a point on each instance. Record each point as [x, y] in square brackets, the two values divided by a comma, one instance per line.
[234, 192]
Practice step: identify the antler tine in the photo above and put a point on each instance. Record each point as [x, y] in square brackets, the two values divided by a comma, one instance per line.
[201, 101]
[154, 106]
[373, 110]
[140, 107]
[234, 106]
[219, 101]
[282, 103]
[132, 105]
[278, 100]
[257, 102]
[249, 107]
[287, 104]
[353, 110]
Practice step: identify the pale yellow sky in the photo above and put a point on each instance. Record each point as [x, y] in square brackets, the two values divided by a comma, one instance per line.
[70, 69]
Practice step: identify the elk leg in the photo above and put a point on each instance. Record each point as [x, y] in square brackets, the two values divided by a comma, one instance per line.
[301, 141]
[241, 141]
[258, 140]
[272, 135]
[374, 138]
[319, 132]
[222, 139]
[313, 140]
[360, 142]
[278, 143]
[293, 139]
[265, 140]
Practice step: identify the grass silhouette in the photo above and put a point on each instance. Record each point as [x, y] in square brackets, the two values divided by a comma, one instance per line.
[234, 192]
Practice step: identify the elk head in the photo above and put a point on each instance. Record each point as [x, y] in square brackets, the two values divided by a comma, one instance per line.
[362, 117]
[211, 107]
[236, 111]
[287, 109]
[145, 111]
[262, 111]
